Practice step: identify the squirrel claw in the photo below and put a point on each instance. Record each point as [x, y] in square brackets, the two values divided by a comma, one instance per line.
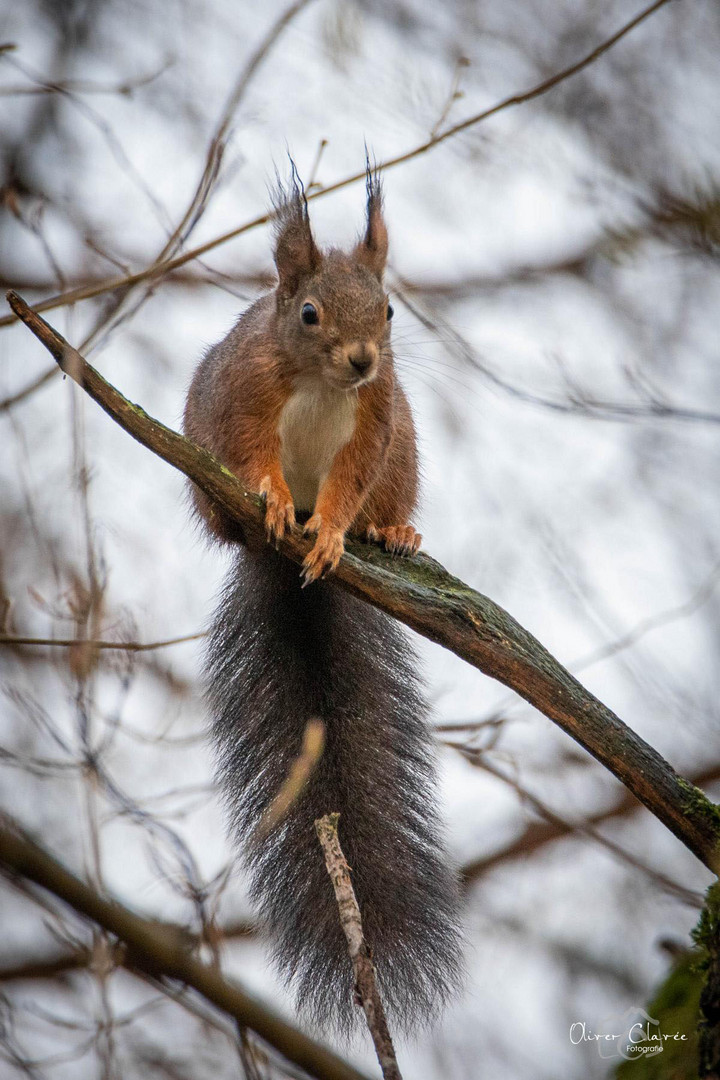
[312, 525]
[326, 553]
[279, 511]
[396, 539]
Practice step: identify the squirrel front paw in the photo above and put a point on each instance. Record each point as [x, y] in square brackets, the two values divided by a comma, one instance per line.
[279, 509]
[326, 553]
[397, 539]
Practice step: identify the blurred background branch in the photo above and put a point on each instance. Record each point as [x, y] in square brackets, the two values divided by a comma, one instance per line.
[155, 950]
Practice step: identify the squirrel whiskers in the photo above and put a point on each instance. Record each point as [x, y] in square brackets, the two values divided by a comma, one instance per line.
[301, 400]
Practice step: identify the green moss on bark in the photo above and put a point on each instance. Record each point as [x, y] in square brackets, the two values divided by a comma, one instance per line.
[676, 1006]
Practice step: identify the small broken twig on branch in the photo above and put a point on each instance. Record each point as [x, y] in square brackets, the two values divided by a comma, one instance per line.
[157, 951]
[366, 990]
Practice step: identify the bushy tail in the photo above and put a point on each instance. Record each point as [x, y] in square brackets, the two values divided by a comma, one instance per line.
[277, 657]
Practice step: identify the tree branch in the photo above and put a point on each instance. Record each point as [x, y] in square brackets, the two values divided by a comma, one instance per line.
[366, 989]
[537, 834]
[160, 953]
[688, 896]
[421, 593]
[60, 963]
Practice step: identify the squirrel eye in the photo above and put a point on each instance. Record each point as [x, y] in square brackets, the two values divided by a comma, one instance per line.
[309, 314]
[390, 312]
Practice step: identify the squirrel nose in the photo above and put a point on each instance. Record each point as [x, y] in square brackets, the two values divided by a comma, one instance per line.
[361, 358]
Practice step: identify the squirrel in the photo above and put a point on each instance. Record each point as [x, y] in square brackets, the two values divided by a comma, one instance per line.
[301, 401]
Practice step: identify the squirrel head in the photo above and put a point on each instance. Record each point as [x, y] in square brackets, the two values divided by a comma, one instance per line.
[333, 315]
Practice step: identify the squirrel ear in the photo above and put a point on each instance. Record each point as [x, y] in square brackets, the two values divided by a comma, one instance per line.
[373, 248]
[296, 255]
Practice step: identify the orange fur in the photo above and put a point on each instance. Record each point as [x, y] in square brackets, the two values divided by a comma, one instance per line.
[341, 361]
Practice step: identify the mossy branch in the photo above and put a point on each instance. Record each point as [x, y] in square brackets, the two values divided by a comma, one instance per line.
[423, 595]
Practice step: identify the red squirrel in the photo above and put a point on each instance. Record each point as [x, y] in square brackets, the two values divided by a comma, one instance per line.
[301, 400]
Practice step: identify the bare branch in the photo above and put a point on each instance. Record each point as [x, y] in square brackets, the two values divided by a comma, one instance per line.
[538, 834]
[81, 86]
[122, 646]
[47, 968]
[161, 954]
[479, 760]
[57, 964]
[583, 404]
[365, 982]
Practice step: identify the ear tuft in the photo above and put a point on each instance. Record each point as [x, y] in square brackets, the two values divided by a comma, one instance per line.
[296, 255]
[373, 248]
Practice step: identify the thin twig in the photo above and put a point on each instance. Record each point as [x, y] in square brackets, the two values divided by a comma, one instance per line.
[702, 594]
[216, 148]
[83, 86]
[14, 399]
[366, 990]
[123, 646]
[591, 408]
[480, 760]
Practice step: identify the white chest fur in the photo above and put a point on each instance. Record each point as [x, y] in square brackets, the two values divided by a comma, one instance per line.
[316, 422]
